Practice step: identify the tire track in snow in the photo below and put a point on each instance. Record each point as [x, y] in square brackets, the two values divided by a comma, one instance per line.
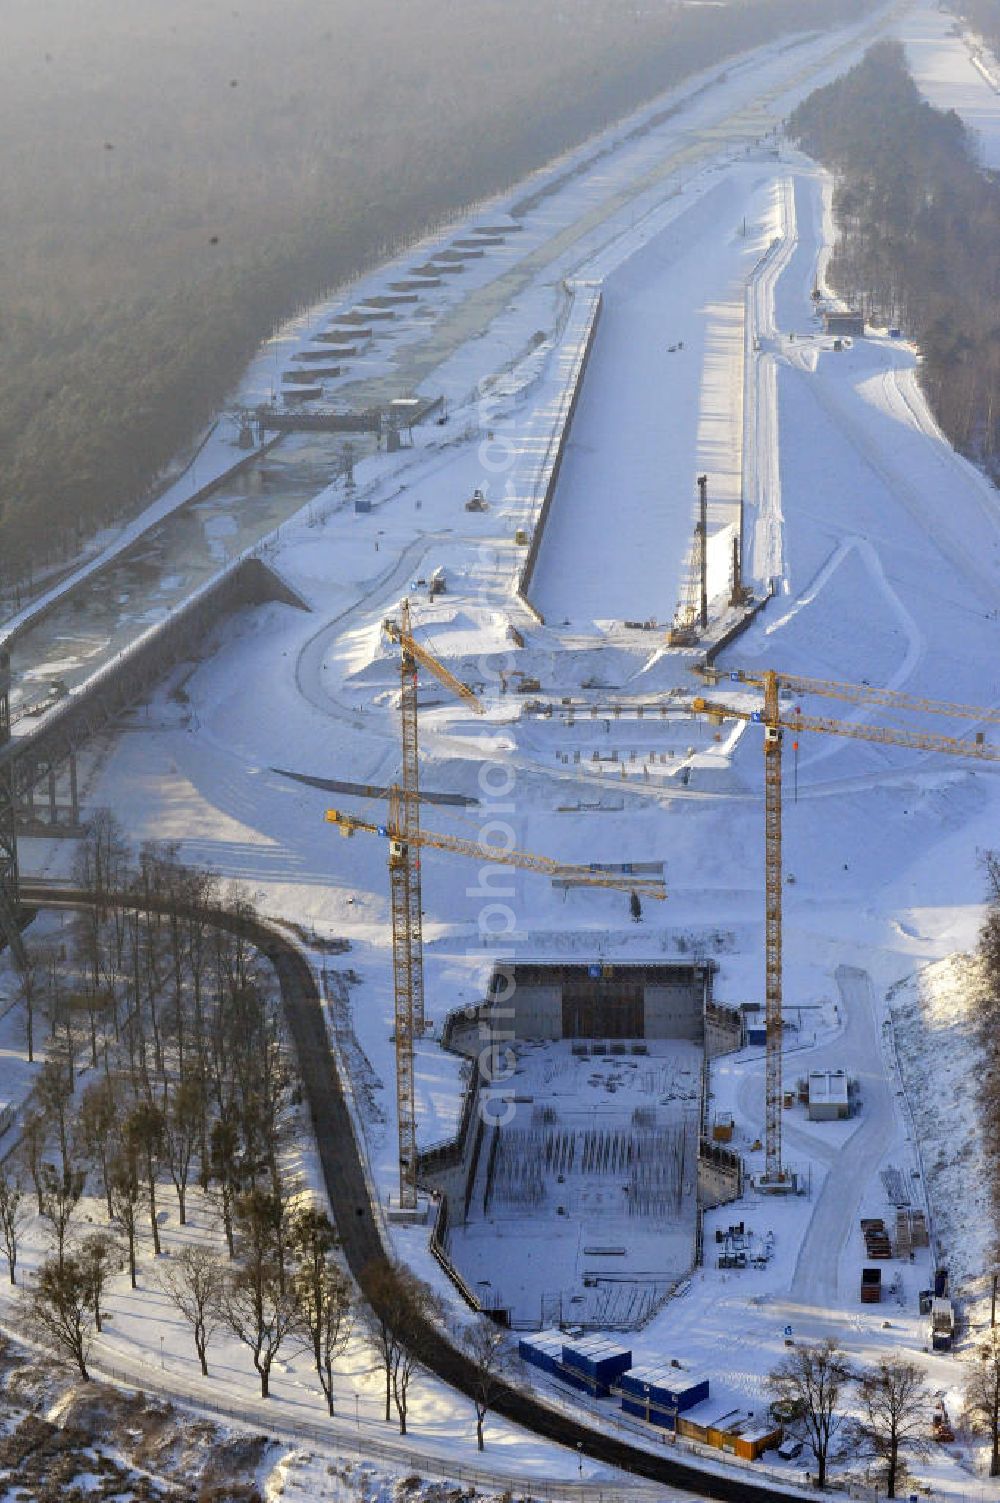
[761, 462]
[915, 640]
[962, 561]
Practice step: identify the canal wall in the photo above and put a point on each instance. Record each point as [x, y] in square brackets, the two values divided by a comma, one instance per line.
[577, 344]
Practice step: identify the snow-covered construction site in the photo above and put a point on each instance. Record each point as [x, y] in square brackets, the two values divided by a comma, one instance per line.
[619, 757]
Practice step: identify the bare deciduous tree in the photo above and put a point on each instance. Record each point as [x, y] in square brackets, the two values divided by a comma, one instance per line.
[194, 1284]
[982, 1394]
[322, 1293]
[224, 1151]
[29, 984]
[144, 1132]
[13, 1214]
[182, 1123]
[125, 1194]
[96, 1124]
[59, 1309]
[486, 1345]
[260, 1315]
[259, 1307]
[894, 1420]
[61, 1192]
[99, 1257]
[32, 1149]
[399, 1307]
[811, 1382]
[53, 1092]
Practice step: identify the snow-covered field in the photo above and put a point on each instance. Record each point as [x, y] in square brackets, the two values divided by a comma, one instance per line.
[888, 551]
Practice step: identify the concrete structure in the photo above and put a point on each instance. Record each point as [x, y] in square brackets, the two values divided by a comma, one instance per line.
[33, 761]
[828, 1096]
[845, 323]
[578, 343]
[628, 1000]
[723, 1031]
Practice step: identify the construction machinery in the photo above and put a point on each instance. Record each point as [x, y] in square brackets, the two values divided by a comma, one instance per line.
[775, 722]
[406, 838]
[692, 611]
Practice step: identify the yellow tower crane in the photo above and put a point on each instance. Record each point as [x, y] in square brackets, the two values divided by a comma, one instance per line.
[775, 723]
[402, 830]
[404, 810]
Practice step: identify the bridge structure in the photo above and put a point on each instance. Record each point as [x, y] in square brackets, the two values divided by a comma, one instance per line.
[399, 415]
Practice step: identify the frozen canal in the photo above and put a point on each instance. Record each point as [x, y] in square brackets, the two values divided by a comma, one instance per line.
[661, 403]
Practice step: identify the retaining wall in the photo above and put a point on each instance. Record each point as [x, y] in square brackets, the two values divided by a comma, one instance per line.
[579, 337]
[740, 626]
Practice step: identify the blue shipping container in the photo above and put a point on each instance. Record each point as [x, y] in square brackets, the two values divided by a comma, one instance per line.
[659, 1392]
[543, 1350]
[593, 1363]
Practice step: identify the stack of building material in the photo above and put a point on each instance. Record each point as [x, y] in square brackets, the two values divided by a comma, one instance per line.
[904, 1240]
[876, 1237]
[918, 1229]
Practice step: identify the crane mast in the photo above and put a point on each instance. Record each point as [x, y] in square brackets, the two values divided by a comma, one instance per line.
[773, 734]
[407, 985]
[406, 871]
[406, 899]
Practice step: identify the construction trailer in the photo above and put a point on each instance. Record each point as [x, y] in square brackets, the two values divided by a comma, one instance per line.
[543, 1350]
[659, 1392]
[736, 1431]
[828, 1096]
[662, 1394]
[593, 1364]
[847, 322]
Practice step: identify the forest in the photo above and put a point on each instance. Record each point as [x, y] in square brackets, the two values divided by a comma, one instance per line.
[180, 179]
[917, 244]
[982, 16]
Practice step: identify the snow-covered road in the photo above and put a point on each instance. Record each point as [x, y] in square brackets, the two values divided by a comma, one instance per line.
[816, 1278]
